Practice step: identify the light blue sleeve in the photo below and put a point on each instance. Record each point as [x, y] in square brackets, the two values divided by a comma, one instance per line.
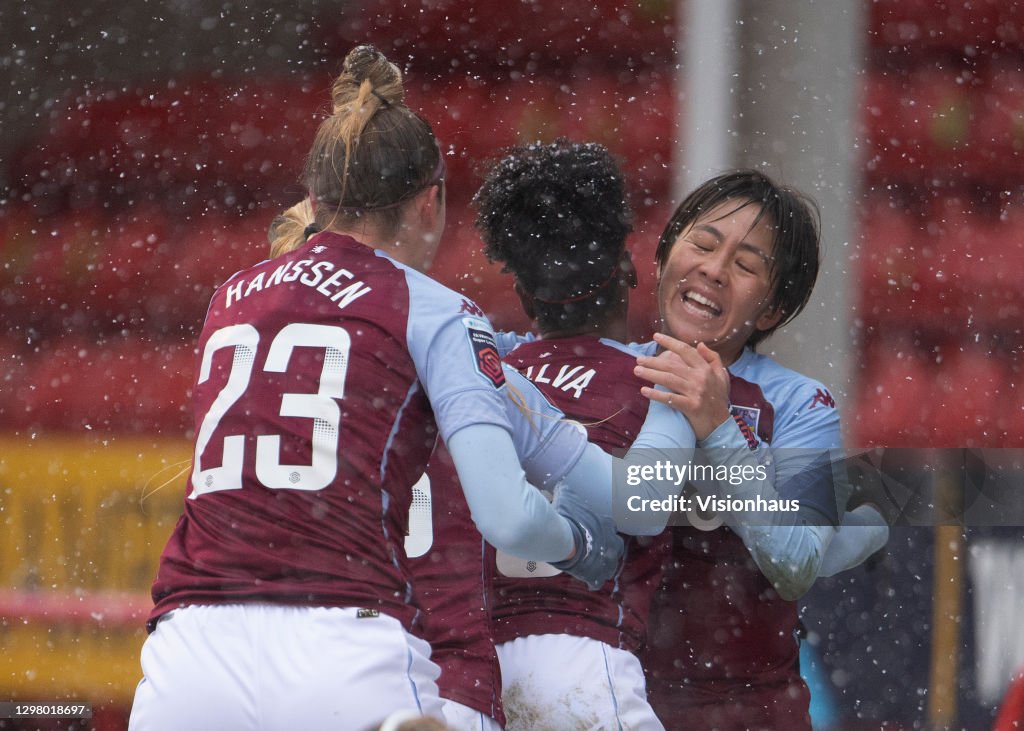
[802, 463]
[548, 444]
[807, 431]
[512, 515]
[646, 348]
[597, 479]
[862, 533]
[457, 362]
[456, 358]
[554, 449]
[507, 341]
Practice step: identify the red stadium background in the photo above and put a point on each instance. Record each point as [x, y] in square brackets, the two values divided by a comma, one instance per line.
[125, 203]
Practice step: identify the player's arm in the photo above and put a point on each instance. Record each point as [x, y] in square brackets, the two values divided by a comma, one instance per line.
[507, 340]
[457, 364]
[788, 547]
[862, 533]
[804, 467]
[609, 484]
[507, 510]
[553, 450]
[792, 556]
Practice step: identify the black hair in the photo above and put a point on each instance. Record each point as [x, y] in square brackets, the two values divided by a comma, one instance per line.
[556, 216]
[795, 224]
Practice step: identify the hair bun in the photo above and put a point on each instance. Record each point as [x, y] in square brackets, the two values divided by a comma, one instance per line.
[366, 63]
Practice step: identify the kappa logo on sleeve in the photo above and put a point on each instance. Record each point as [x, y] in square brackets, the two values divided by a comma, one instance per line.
[823, 397]
[485, 351]
[471, 307]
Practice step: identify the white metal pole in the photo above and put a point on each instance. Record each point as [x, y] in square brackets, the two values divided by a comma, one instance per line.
[706, 90]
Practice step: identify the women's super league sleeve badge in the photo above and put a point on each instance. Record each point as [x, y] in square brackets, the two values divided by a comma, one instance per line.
[485, 351]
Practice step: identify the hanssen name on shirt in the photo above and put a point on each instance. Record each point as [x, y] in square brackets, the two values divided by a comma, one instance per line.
[321, 275]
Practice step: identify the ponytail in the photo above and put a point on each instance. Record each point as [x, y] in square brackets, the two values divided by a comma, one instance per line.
[289, 230]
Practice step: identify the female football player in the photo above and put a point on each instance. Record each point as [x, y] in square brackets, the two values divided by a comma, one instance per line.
[743, 262]
[737, 260]
[325, 374]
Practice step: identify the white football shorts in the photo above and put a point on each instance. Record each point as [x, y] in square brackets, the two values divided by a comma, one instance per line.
[564, 681]
[464, 718]
[263, 666]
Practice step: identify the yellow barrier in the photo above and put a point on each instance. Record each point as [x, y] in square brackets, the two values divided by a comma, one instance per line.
[79, 548]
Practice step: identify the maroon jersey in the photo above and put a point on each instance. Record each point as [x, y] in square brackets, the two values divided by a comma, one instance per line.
[452, 591]
[312, 424]
[590, 380]
[722, 648]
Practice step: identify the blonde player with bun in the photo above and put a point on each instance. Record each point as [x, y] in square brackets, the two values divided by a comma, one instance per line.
[325, 376]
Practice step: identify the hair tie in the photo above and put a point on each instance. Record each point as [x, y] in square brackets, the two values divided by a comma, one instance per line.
[310, 230]
[384, 102]
[585, 295]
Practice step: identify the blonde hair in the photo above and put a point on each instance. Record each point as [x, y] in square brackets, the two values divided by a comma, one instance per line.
[373, 153]
[288, 230]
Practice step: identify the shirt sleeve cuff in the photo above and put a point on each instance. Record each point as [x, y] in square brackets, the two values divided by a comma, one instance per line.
[726, 435]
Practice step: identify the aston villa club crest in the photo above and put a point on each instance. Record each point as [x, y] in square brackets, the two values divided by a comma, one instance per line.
[751, 416]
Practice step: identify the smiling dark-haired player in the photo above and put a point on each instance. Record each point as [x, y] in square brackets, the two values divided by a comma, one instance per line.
[738, 259]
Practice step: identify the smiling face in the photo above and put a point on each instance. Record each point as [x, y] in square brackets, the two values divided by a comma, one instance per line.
[715, 286]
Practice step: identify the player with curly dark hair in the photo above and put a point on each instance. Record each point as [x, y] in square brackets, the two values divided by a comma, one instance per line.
[557, 217]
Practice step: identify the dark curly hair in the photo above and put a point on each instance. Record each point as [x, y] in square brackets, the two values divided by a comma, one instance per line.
[556, 216]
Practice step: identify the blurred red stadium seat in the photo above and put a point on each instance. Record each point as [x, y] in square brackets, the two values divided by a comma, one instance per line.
[31, 252]
[945, 24]
[155, 379]
[920, 123]
[119, 385]
[485, 37]
[114, 279]
[473, 121]
[972, 387]
[949, 244]
[993, 274]
[235, 141]
[206, 251]
[1000, 131]
[64, 390]
[633, 118]
[887, 263]
[894, 404]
